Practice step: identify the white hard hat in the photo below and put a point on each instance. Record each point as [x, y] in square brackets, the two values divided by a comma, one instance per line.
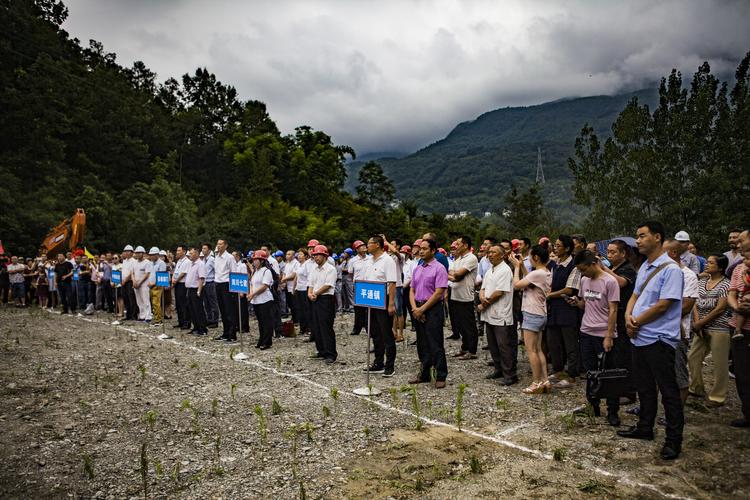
[139, 248]
[163, 252]
[128, 248]
[682, 236]
[154, 251]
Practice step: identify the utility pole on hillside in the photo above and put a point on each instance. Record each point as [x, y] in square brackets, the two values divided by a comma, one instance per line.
[539, 168]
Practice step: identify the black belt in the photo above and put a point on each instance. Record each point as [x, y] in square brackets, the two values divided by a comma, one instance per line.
[420, 303]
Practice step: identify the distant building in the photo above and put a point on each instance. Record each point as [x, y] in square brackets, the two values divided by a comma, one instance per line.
[488, 214]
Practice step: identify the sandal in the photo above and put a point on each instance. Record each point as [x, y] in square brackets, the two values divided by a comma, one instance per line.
[534, 388]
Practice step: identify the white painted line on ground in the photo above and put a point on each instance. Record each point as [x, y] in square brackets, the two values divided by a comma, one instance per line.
[495, 439]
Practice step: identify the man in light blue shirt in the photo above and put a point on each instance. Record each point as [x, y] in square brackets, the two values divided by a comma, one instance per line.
[652, 319]
[210, 302]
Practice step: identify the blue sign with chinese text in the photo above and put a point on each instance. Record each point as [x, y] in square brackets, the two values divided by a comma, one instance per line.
[117, 277]
[239, 283]
[370, 294]
[162, 279]
[75, 275]
[51, 276]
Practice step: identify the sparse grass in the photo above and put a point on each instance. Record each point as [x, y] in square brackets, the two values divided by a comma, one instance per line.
[415, 409]
[335, 394]
[592, 486]
[144, 469]
[232, 352]
[558, 454]
[233, 390]
[276, 407]
[501, 404]
[262, 427]
[326, 412]
[142, 370]
[569, 421]
[395, 400]
[194, 365]
[475, 465]
[214, 407]
[150, 418]
[88, 466]
[460, 406]
[278, 362]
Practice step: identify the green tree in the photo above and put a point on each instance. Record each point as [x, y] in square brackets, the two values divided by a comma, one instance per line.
[525, 212]
[375, 188]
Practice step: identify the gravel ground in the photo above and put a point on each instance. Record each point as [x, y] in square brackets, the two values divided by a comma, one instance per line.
[91, 410]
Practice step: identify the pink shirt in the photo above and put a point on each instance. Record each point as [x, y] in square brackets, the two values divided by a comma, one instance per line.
[597, 294]
[535, 295]
[738, 284]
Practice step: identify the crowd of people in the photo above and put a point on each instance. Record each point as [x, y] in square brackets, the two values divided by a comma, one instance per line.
[650, 305]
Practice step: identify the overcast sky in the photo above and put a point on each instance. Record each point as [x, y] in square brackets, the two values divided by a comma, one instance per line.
[398, 75]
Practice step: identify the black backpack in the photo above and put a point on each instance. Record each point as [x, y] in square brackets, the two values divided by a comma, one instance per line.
[275, 276]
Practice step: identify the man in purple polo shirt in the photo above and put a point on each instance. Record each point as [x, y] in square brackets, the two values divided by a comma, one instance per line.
[428, 285]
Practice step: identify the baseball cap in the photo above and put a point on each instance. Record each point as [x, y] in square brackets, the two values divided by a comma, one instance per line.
[682, 236]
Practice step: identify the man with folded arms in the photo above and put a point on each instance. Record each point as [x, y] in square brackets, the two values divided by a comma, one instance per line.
[462, 277]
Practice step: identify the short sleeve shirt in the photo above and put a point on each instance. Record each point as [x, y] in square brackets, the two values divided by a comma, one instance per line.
[302, 276]
[16, 277]
[182, 267]
[262, 276]
[535, 295]
[739, 285]
[690, 290]
[223, 264]
[196, 271]
[141, 268]
[427, 278]
[463, 290]
[289, 269]
[709, 299]
[358, 267]
[381, 270]
[321, 276]
[666, 285]
[499, 278]
[597, 294]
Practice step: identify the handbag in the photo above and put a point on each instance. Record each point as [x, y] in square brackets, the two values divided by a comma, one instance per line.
[605, 383]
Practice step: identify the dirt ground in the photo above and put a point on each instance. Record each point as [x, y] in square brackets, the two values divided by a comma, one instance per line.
[92, 410]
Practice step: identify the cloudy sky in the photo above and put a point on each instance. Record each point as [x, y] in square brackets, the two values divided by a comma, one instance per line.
[396, 75]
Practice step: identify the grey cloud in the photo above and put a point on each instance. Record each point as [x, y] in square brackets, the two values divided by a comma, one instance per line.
[397, 75]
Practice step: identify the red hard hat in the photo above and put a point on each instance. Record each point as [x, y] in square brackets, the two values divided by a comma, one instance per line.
[357, 244]
[514, 243]
[418, 242]
[320, 250]
[543, 239]
[312, 243]
[260, 254]
[442, 251]
[406, 248]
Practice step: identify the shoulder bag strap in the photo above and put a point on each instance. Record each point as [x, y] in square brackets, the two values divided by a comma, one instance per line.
[650, 276]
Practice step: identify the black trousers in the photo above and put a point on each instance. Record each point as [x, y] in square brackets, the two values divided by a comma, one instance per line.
[181, 305]
[228, 310]
[264, 315]
[741, 357]
[197, 314]
[323, 313]
[503, 343]
[431, 344]
[131, 306]
[653, 366]
[623, 352]
[277, 317]
[291, 303]
[591, 347]
[465, 322]
[303, 310]
[360, 319]
[381, 331]
[562, 342]
[244, 313]
[66, 297]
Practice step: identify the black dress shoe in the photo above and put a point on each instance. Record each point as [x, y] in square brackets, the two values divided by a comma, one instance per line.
[613, 419]
[494, 375]
[452, 337]
[193, 332]
[219, 338]
[740, 422]
[509, 381]
[212, 325]
[264, 347]
[636, 433]
[670, 451]
[186, 327]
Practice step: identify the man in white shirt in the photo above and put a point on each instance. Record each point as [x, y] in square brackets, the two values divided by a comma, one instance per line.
[181, 268]
[223, 264]
[689, 296]
[356, 268]
[142, 270]
[382, 269]
[210, 302]
[287, 278]
[194, 282]
[496, 309]
[321, 284]
[461, 278]
[128, 295]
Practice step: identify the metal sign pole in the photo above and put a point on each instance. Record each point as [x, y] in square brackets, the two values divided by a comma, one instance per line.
[368, 390]
[163, 335]
[241, 355]
[115, 322]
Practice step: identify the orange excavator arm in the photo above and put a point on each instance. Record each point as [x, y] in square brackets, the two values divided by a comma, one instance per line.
[67, 235]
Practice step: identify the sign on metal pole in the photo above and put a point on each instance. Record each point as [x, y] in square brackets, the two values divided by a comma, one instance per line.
[162, 279]
[239, 283]
[372, 295]
[116, 277]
